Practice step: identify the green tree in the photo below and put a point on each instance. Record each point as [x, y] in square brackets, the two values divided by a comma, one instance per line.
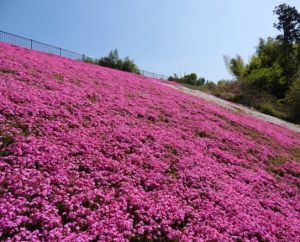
[88, 59]
[235, 66]
[201, 81]
[129, 66]
[114, 61]
[173, 78]
[269, 81]
[190, 79]
[266, 70]
[289, 23]
[293, 100]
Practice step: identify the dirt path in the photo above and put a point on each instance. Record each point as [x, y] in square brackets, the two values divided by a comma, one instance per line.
[235, 107]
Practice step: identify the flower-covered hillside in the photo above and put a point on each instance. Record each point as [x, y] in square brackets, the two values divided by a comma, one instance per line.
[94, 154]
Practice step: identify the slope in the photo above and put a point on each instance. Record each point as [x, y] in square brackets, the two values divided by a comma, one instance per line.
[94, 154]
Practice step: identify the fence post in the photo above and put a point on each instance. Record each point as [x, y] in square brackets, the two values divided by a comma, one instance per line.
[59, 51]
[31, 43]
[83, 57]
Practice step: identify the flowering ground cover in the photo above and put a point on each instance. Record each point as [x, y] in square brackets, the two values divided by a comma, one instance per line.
[94, 154]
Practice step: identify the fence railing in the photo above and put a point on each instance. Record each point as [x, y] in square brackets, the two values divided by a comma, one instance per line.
[39, 46]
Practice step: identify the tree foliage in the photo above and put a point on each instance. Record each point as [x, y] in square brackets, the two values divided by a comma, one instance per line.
[191, 79]
[112, 60]
[289, 23]
[235, 66]
[266, 69]
[293, 100]
[271, 79]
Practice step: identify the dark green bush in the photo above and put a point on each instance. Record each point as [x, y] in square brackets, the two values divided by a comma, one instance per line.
[129, 66]
[293, 100]
[112, 60]
[88, 59]
[190, 79]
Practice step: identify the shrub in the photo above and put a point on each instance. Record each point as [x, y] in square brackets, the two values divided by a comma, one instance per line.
[293, 100]
[130, 66]
[88, 59]
[112, 60]
[190, 79]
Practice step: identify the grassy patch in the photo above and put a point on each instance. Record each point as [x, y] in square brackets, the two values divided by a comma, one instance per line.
[203, 134]
[92, 98]
[238, 92]
[171, 149]
[7, 71]
[274, 163]
[6, 141]
[295, 153]
[172, 170]
[277, 160]
[58, 77]
[163, 117]
[199, 88]
[270, 108]
[76, 82]
[248, 131]
[24, 128]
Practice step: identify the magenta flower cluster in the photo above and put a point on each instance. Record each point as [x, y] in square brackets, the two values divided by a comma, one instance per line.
[94, 154]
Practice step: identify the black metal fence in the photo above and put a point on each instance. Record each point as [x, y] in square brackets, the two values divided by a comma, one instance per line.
[39, 46]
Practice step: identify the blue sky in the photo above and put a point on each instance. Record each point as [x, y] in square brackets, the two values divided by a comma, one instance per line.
[163, 36]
